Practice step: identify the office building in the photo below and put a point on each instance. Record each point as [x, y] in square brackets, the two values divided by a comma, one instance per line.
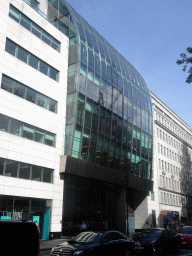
[76, 126]
[170, 200]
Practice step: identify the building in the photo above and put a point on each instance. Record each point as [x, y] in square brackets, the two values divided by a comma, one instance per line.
[76, 126]
[171, 196]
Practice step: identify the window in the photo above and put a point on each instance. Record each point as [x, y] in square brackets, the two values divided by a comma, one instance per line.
[19, 90]
[167, 198]
[162, 165]
[24, 172]
[36, 173]
[163, 181]
[11, 168]
[159, 164]
[48, 175]
[169, 182]
[2, 164]
[25, 22]
[11, 48]
[168, 167]
[32, 3]
[34, 62]
[170, 199]
[30, 59]
[152, 195]
[34, 28]
[4, 123]
[27, 131]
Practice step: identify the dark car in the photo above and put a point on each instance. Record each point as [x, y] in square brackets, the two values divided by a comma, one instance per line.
[19, 238]
[95, 243]
[158, 241]
[186, 237]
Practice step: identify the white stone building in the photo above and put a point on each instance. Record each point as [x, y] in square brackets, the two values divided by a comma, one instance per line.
[172, 154]
[33, 74]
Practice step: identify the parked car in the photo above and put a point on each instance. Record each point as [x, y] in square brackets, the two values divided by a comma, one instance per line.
[19, 237]
[186, 237]
[95, 243]
[158, 241]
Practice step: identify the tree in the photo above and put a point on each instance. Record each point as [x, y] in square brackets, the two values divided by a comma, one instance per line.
[186, 60]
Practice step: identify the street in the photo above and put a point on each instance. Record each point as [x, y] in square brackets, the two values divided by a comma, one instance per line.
[183, 252]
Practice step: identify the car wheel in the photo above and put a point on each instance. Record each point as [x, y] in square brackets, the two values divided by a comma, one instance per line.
[127, 253]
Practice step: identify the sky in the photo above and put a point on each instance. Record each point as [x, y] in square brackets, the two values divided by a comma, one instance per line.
[151, 35]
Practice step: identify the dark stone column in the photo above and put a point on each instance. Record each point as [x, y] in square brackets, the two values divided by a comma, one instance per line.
[120, 210]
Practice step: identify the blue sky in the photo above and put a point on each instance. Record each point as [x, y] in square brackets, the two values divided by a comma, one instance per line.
[150, 34]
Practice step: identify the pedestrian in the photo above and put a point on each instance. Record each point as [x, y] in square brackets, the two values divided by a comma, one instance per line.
[37, 225]
[83, 226]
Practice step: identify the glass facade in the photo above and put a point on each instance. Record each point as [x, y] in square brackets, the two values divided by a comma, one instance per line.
[109, 109]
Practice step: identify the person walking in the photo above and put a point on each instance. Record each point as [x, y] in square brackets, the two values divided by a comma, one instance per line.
[83, 226]
[37, 225]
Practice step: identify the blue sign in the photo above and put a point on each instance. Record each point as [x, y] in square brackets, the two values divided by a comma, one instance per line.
[36, 218]
[169, 215]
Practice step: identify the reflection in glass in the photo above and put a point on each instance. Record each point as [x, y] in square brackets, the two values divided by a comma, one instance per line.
[22, 54]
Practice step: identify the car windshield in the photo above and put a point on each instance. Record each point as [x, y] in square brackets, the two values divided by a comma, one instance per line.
[85, 237]
[156, 233]
[185, 231]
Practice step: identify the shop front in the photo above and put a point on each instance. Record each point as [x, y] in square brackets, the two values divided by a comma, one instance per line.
[29, 209]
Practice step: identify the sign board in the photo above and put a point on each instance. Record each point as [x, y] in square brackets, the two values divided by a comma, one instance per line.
[5, 217]
[36, 218]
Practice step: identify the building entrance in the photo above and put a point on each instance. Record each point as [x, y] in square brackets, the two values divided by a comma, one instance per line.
[87, 200]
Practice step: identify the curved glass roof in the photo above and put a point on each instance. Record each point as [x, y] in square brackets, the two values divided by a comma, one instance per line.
[109, 109]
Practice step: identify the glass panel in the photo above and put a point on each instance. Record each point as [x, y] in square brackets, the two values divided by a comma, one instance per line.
[48, 175]
[22, 54]
[25, 22]
[33, 61]
[31, 95]
[55, 44]
[36, 173]
[36, 30]
[19, 90]
[2, 162]
[24, 171]
[7, 83]
[46, 37]
[44, 68]
[4, 123]
[11, 47]
[50, 139]
[28, 132]
[14, 13]
[16, 127]
[42, 100]
[54, 74]
[52, 105]
[11, 168]
[39, 135]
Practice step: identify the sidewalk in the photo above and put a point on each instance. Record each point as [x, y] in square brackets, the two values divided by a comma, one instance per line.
[49, 244]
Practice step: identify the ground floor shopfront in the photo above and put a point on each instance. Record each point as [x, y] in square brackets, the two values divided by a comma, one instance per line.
[30, 209]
